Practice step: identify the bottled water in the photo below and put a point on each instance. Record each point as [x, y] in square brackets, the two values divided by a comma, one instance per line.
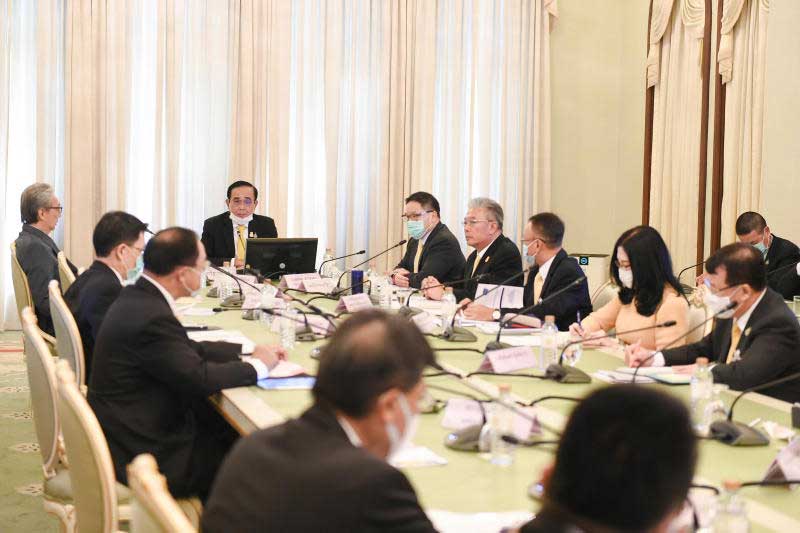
[327, 263]
[574, 353]
[370, 276]
[288, 326]
[731, 514]
[548, 351]
[384, 293]
[502, 423]
[448, 308]
[702, 393]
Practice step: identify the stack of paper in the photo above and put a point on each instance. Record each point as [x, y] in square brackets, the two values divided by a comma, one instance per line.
[224, 335]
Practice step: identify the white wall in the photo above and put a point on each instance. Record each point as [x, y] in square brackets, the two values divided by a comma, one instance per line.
[598, 52]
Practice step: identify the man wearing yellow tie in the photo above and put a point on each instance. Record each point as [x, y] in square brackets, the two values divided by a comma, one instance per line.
[225, 235]
[755, 342]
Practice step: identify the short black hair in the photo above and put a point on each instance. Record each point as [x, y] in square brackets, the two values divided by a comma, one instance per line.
[550, 227]
[115, 228]
[750, 221]
[426, 200]
[241, 183]
[743, 264]
[626, 458]
[169, 249]
[369, 354]
[651, 264]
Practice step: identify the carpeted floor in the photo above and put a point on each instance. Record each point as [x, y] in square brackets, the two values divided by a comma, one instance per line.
[20, 462]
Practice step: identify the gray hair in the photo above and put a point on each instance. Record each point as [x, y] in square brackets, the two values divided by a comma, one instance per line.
[491, 206]
[34, 197]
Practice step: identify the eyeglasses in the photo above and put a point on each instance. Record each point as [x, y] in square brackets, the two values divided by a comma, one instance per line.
[415, 216]
[624, 264]
[238, 201]
[473, 221]
[59, 207]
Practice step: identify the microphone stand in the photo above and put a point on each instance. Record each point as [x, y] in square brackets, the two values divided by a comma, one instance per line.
[234, 301]
[408, 311]
[319, 270]
[339, 282]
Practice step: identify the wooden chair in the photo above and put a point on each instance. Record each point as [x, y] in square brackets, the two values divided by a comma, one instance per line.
[68, 339]
[64, 272]
[154, 510]
[22, 291]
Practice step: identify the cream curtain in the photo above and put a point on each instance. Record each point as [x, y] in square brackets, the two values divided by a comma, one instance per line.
[742, 65]
[674, 69]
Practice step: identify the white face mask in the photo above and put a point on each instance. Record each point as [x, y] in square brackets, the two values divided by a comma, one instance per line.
[200, 286]
[241, 221]
[398, 441]
[717, 303]
[626, 277]
[798, 269]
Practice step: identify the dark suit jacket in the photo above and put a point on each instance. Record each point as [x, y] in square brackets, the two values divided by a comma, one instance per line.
[769, 349]
[441, 257]
[781, 253]
[548, 520]
[38, 256]
[565, 307]
[306, 476]
[146, 375]
[500, 261]
[789, 284]
[218, 235]
[89, 299]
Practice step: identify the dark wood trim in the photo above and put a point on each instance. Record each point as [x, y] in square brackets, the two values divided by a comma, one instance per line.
[648, 133]
[703, 170]
[718, 147]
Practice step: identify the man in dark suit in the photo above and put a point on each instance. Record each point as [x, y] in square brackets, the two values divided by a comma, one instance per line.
[118, 241]
[225, 235]
[779, 254]
[495, 255]
[150, 382]
[789, 285]
[328, 470]
[630, 478]
[37, 254]
[754, 343]
[432, 249]
[551, 271]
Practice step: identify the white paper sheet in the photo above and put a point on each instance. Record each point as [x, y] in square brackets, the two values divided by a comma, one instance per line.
[450, 522]
[224, 335]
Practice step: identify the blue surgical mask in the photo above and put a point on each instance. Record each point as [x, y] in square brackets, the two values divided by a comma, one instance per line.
[415, 228]
[530, 259]
[761, 247]
[136, 271]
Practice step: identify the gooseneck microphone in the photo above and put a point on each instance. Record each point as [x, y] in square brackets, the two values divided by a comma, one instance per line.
[728, 307]
[367, 260]
[570, 374]
[233, 300]
[701, 263]
[406, 310]
[319, 270]
[497, 345]
[738, 434]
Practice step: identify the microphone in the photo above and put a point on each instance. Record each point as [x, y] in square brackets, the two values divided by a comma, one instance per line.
[570, 374]
[781, 269]
[497, 345]
[319, 270]
[728, 307]
[409, 311]
[738, 434]
[466, 439]
[689, 268]
[364, 262]
[459, 334]
[305, 334]
[335, 294]
[234, 300]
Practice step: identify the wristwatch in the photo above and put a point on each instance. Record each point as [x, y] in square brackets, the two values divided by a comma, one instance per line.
[496, 314]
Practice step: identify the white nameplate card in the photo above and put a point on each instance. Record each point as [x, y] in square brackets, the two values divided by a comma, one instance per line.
[787, 464]
[320, 285]
[461, 413]
[295, 281]
[354, 303]
[505, 296]
[425, 322]
[509, 359]
[319, 324]
[252, 300]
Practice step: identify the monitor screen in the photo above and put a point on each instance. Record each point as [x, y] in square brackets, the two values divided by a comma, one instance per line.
[275, 257]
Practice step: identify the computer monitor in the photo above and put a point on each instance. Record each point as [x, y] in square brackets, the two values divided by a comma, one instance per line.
[276, 257]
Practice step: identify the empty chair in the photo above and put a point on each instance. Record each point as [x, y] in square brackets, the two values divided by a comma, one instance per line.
[153, 509]
[68, 339]
[100, 501]
[65, 273]
[22, 291]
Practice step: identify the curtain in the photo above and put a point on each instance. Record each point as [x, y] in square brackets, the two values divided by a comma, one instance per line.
[674, 69]
[742, 65]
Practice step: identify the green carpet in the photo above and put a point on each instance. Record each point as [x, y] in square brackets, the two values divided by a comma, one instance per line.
[20, 461]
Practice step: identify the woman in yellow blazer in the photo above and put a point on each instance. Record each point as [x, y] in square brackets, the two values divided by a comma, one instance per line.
[649, 294]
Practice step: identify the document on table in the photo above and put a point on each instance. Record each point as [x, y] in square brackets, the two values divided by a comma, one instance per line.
[505, 296]
[662, 374]
[611, 376]
[198, 311]
[450, 522]
[224, 335]
[412, 455]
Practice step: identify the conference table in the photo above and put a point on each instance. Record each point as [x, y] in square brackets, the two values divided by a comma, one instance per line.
[469, 483]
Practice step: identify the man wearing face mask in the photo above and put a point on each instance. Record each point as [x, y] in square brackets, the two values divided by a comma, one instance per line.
[150, 383]
[432, 249]
[755, 342]
[225, 235]
[779, 254]
[118, 241]
[327, 470]
[551, 269]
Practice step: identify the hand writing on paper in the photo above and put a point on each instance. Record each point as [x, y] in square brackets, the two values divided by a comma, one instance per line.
[269, 355]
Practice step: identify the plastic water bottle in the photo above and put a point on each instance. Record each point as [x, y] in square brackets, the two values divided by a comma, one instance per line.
[502, 423]
[731, 514]
[548, 351]
[702, 393]
[369, 277]
[448, 307]
[327, 263]
[384, 293]
[288, 326]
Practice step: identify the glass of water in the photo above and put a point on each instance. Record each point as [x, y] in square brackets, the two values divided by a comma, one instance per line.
[574, 352]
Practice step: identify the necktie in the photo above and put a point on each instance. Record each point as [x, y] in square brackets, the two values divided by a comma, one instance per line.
[538, 283]
[417, 256]
[240, 243]
[736, 334]
[475, 264]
